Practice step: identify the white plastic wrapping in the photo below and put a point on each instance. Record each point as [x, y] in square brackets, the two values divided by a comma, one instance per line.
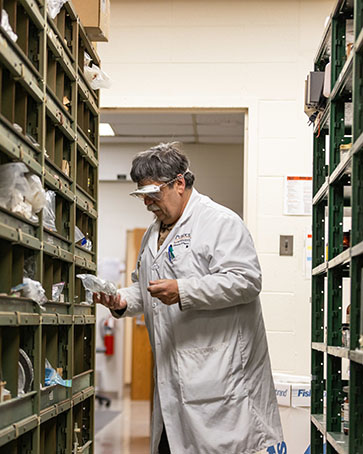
[96, 77]
[20, 191]
[49, 211]
[87, 59]
[57, 290]
[34, 291]
[54, 6]
[94, 284]
[7, 27]
[79, 236]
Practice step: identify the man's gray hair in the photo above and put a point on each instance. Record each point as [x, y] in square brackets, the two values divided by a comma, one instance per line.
[164, 162]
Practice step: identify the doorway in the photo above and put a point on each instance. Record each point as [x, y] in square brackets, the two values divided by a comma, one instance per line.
[214, 141]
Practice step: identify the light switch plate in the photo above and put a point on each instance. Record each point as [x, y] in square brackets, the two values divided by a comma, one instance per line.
[286, 245]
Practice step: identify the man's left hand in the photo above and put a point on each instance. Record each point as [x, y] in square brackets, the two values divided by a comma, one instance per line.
[166, 290]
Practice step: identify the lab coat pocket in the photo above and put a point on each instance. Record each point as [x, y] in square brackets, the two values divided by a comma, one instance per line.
[178, 266]
[205, 373]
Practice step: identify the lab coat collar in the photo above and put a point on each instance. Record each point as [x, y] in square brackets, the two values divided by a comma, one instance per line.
[154, 233]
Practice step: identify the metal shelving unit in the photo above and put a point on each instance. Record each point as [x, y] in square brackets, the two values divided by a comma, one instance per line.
[337, 277]
[43, 90]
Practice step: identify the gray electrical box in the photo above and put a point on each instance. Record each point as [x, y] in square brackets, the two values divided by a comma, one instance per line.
[314, 89]
[286, 245]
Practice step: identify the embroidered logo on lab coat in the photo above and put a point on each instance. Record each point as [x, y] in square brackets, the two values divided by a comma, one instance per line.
[182, 240]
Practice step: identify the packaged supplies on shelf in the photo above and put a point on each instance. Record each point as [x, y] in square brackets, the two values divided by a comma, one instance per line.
[57, 290]
[35, 291]
[96, 77]
[21, 192]
[53, 378]
[7, 27]
[49, 211]
[54, 6]
[95, 284]
[79, 236]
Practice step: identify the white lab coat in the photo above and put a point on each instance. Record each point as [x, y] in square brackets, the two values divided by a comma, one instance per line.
[213, 383]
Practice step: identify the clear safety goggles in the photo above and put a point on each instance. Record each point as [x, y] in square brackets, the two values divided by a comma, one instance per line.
[153, 191]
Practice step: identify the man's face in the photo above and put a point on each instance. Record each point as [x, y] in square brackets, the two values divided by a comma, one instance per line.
[170, 204]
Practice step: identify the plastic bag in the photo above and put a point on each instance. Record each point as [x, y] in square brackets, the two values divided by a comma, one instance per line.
[94, 284]
[57, 290]
[13, 184]
[53, 378]
[87, 59]
[96, 77]
[7, 27]
[21, 192]
[36, 195]
[78, 236]
[34, 291]
[49, 211]
[54, 6]
[88, 245]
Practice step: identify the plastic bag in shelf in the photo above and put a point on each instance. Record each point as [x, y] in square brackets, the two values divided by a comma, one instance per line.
[20, 191]
[53, 378]
[7, 27]
[96, 77]
[49, 211]
[57, 290]
[35, 291]
[78, 236]
[54, 6]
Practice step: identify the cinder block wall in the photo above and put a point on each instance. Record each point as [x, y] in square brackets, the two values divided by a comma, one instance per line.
[245, 54]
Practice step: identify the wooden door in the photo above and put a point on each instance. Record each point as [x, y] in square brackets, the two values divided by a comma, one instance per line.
[141, 356]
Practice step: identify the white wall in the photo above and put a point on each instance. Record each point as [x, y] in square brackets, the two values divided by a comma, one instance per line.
[218, 170]
[242, 54]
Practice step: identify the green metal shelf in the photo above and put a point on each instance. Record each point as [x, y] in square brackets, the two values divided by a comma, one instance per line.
[339, 441]
[34, 13]
[12, 432]
[64, 333]
[345, 77]
[58, 49]
[320, 269]
[337, 197]
[60, 119]
[319, 422]
[322, 193]
[18, 147]
[20, 68]
[324, 118]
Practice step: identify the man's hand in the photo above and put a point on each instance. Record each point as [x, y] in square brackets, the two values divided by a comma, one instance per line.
[166, 290]
[113, 302]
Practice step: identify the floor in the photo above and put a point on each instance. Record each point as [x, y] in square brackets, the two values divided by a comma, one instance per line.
[127, 433]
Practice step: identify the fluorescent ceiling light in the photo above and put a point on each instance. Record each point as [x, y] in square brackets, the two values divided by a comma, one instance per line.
[106, 130]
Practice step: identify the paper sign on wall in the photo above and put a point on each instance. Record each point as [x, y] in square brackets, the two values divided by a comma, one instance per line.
[298, 195]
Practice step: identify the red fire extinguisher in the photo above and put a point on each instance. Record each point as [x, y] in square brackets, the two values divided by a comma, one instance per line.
[108, 335]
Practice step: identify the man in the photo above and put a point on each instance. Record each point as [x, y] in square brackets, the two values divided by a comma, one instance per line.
[197, 281]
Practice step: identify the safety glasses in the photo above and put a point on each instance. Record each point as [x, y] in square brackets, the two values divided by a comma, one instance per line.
[153, 191]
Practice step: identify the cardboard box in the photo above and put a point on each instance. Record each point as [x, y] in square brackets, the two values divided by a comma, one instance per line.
[283, 394]
[300, 395]
[95, 17]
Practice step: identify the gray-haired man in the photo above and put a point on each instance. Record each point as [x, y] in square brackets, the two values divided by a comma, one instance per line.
[197, 281]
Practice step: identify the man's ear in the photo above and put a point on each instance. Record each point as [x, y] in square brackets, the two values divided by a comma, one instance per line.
[180, 184]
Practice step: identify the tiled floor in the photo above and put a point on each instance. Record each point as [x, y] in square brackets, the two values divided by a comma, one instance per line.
[129, 432]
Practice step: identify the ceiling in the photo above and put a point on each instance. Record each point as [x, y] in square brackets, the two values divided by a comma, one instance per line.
[186, 127]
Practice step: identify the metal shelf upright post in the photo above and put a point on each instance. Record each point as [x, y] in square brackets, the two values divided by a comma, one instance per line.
[337, 276]
[49, 118]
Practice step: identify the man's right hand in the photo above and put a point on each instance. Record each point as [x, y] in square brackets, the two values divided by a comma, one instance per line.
[114, 302]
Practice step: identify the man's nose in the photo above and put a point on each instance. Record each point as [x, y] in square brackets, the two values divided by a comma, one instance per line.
[147, 200]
